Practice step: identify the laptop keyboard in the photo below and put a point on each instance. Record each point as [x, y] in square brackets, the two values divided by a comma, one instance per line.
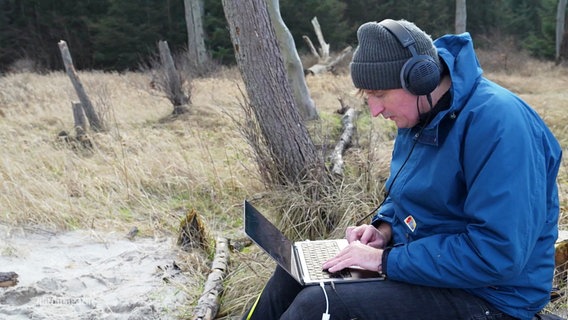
[316, 253]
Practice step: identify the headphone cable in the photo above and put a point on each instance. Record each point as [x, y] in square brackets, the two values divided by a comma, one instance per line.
[387, 193]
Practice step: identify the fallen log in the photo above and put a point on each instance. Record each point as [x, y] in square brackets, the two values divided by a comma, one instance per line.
[344, 142]
[8, 279]
[208, 304]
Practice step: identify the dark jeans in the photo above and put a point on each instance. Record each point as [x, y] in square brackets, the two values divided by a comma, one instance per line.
[284, 298]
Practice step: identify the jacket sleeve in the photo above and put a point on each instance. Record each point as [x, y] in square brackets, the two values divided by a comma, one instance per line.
[384, 213]
[510, 205]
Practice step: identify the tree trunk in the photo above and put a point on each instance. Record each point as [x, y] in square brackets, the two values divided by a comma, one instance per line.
[262, 67]
[94, 121]
[461, 16]
[195, 34]
[294, 68]
[560, 14]
[78, 116]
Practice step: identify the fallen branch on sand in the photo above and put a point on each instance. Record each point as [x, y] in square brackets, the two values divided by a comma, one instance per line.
[208, 304]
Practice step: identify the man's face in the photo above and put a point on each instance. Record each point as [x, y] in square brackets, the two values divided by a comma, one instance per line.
[397, 105]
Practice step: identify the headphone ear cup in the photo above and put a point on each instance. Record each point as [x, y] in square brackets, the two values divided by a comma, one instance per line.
[420, 75]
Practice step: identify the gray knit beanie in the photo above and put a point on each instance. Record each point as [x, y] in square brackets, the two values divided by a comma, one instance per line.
[378, 59]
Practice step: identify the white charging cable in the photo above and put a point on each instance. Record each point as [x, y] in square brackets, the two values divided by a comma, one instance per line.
[326, 315]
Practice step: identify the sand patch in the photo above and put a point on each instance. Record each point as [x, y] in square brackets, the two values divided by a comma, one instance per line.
[88, 275]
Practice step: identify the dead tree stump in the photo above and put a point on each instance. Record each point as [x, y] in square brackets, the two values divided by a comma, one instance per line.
[172, 80]
[94, 121]
[193, 233]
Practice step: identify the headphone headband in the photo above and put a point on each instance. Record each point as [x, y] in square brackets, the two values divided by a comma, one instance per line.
[420, 75]
[396, 29]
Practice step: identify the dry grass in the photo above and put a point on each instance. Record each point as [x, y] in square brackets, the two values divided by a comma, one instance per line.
[142, 171]
[149, 169]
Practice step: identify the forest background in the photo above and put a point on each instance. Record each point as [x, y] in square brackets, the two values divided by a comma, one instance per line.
[120, 35]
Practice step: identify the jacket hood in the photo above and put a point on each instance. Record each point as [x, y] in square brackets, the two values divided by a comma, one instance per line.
[466, 73]
[458, 54]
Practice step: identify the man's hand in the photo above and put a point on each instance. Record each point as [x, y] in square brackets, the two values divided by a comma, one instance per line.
[368, 235]
[356, 254]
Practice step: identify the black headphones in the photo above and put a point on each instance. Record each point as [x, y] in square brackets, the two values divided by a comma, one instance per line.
[420, 75]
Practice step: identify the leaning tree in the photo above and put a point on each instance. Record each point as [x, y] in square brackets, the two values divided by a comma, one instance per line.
[262, 67]
[294, 68]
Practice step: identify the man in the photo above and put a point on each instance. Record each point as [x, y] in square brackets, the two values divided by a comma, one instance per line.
[468, 227]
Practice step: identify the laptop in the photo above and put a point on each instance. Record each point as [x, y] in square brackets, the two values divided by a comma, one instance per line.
[302, 259]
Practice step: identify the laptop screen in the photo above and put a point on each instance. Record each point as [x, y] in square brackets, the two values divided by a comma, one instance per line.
[268, 237]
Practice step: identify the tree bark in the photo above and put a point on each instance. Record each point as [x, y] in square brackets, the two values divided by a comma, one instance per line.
[94, 121]
[294, 68]
[78, 117]
[461, 16]
[262, 67]
[195, 35]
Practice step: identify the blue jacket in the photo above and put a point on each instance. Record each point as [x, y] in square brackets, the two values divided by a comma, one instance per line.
[476, 204]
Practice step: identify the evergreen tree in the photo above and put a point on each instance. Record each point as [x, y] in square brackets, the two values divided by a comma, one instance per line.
[217, 38]
[117, 34]
[130, 31]
[298, 14]
[35, 27]
[541, 42]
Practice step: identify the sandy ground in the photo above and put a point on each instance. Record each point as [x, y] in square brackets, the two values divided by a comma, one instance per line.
[88, 275]
[92, 275]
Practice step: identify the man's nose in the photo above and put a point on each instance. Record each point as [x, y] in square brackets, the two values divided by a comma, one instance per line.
[375, 106]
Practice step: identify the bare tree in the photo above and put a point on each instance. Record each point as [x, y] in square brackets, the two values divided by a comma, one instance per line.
[262, 67]
[294, 68]
[560, 14]
[325, 63]
[195, 35]
[461, 16]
